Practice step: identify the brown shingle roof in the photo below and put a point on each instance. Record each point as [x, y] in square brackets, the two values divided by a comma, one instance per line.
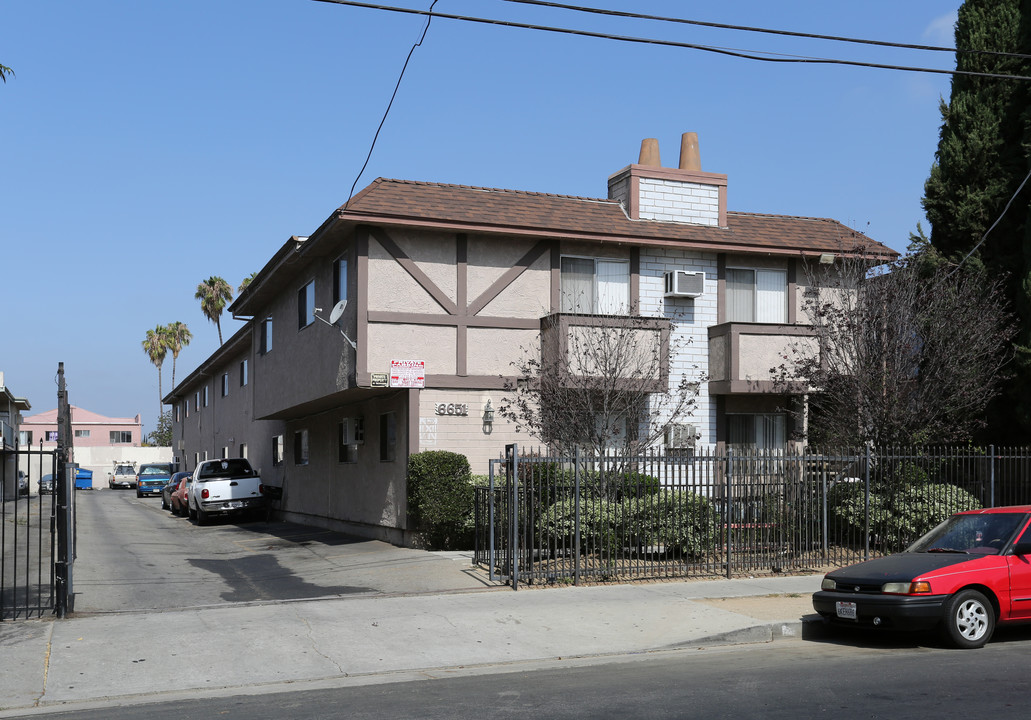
[506, 211]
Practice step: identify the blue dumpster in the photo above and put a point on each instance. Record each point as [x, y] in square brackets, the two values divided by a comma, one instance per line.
[83, 479]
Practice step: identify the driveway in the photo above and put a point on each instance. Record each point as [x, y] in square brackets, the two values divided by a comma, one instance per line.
[132, 556]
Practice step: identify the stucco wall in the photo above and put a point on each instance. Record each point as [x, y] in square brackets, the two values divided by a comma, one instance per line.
[434, 345]
[101, 460]
[366, 496]
[490, 258]
[758, 354]
[466, 434]
[304, 363]
[492, 351]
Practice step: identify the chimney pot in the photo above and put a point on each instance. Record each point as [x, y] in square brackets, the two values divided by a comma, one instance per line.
[650, 153]
[690, 157]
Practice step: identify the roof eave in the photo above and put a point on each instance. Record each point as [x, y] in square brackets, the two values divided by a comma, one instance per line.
[351, 217]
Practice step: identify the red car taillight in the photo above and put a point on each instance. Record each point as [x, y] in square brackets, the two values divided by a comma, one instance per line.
[204, 493]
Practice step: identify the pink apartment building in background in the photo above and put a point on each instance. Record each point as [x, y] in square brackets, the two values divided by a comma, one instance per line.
[89, 429]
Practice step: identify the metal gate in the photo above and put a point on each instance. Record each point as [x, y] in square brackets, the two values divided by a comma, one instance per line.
[28, 534]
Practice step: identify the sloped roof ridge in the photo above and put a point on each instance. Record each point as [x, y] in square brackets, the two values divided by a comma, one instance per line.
[785, 217]
[479, 188]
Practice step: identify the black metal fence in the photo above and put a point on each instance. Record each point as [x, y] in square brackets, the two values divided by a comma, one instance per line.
[727, 512]
[27, 536]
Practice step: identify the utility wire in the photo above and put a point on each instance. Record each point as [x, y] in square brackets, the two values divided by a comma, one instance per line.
[997, 220]
[746, 28]
[390, 104]
[747, 55]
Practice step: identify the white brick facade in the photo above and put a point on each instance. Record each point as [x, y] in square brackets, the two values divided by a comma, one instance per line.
[691, 318]
[675, 201]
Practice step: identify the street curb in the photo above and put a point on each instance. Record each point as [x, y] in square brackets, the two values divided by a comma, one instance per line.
[808, 627]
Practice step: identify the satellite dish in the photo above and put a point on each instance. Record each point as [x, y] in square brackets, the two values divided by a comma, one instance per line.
[337, 311]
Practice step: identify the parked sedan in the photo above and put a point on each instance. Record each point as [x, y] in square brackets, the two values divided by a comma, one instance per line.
[170, 487]
[967, 575]
[179, 501]
[46, 485]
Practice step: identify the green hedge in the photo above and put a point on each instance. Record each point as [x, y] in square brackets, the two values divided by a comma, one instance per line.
[440, 498]
[678, 520]
[902, 508]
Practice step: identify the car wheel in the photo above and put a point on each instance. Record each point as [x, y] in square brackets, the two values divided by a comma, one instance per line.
[969, 619]
[202, 517]
[191, 512]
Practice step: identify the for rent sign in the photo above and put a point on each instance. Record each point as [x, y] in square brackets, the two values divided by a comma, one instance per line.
[408, 373]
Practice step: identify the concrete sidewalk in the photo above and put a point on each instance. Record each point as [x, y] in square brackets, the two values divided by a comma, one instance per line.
[96, 660]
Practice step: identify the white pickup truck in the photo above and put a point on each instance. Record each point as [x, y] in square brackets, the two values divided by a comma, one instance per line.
[224, 487]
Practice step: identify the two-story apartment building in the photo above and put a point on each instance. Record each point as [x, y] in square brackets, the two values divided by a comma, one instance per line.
[89, 429]
[447, 285]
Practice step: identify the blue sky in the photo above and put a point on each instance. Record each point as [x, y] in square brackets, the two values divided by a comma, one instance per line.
[150, 145]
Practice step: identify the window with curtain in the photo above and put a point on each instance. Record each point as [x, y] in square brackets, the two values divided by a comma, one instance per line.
[595, 286]
[757, 295]
[757, 430]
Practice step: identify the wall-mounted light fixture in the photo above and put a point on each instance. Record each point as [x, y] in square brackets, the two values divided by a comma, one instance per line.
[827, 259]
[488, 418]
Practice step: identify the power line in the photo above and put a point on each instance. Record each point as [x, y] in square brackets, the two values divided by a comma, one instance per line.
[391, 103]
[731, 52]
[997, 221]
[769, 31]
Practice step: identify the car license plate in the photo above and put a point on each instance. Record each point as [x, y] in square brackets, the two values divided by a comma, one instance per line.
[235, 504]
[846, 610]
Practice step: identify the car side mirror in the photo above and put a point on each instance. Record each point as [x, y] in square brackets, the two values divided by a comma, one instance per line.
[1022, 548]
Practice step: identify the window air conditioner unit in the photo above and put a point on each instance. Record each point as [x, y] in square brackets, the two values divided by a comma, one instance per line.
[681, 436]
[680, 283]
[354, 431]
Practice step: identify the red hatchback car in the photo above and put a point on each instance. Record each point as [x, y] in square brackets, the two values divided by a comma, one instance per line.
[178, 500]
[968, 574]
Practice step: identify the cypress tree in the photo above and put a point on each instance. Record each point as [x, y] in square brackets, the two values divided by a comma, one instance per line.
[982, 158]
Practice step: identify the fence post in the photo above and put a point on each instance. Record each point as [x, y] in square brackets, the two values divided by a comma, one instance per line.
[576, 516]
[824, 529]
[728, 511]
[991, 475]
[512, 452]
[64, 482]
[866, 507]
[490, 521]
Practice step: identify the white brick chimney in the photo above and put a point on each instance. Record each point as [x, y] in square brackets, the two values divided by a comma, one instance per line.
[649, 191]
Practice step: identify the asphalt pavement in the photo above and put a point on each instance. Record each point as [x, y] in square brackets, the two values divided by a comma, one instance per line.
[473, 626]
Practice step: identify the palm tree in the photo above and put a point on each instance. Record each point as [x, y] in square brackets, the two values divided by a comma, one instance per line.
[177, 336]
[245, 283]
[155, 345]
[214, 293]
[4, 72]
